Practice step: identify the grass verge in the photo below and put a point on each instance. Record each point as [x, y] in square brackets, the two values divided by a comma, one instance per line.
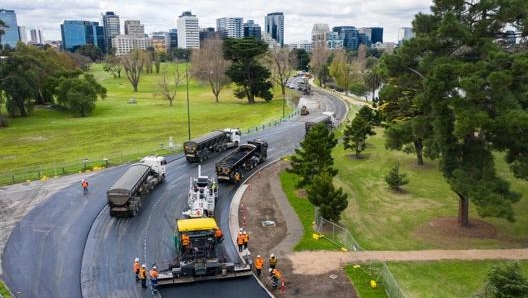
[4, 292]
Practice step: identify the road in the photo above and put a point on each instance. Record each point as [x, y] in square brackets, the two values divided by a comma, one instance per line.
[69, 246]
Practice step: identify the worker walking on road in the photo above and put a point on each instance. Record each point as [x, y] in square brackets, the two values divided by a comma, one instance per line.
[246, 239]
[143, 276]
[259, 263]
[240, 241]
[272, 262]
[84, 185]
[154, 278]
[275, 276]
[136, 267]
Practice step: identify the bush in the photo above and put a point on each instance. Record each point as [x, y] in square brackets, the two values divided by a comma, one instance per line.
[394, 179]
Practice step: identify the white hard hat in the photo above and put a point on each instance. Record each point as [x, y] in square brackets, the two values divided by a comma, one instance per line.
[136, 260]
[258, 256]
[244, 232]
[154, 267]
[143, 266]
[270, 270]
[272, 255]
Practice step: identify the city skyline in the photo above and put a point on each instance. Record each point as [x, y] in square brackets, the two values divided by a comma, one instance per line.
[157, 15]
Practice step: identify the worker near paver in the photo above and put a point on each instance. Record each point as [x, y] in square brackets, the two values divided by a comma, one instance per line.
[185, 240]
[246, 239]
[84, 185]
[272, 262]
[275, 276]
[259, 263]
[240, 242]
[143, 276]
[136, 268]
[219, 235]
[237, 178]
[154, 278]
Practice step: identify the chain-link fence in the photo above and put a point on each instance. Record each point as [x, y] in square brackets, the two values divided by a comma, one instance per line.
[342, 237]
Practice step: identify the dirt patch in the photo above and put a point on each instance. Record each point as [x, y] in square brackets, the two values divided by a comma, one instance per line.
[264, 201]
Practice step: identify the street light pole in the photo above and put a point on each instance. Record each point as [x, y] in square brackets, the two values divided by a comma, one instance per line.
[188, 110]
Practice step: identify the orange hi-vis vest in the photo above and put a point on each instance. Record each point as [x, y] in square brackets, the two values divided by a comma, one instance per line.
[142, 273]
[276, 273]
[154, 274]
[240, 239]
[136, 267]
[246, 238]
[259, 262]
[185, 240]
[218, 233]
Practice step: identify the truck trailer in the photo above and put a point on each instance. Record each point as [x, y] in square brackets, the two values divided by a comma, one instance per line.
[125, 196]
[203, 193]
[201, 258]
[245, 158]
[199, 149]
[324, 118]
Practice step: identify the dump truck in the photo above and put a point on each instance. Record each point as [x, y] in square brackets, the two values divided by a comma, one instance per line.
[326, 119]
[199, 149]
[243, 160]
[203, 192]
[304, 86]
[125, 196]
[203, 258]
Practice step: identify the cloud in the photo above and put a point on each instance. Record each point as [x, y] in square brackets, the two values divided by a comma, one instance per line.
[161, 15]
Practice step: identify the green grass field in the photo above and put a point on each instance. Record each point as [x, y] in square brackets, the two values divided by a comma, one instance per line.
[53, 142]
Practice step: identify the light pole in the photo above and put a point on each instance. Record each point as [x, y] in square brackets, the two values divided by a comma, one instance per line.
[188, 110]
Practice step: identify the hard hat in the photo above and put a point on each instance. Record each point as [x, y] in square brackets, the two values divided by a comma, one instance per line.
[270, 270]
[258, 256]
[136, 260]
[154, 267]
[241, 229]
[143, 266]
[272, 255]
[244, 232]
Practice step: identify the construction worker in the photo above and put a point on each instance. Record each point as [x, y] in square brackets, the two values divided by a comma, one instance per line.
[246, 239]
[275, 276]
[237, 178]
[136, 268]
[154, 278]
[240, 241]
[219, 235]
[84, 185]
[185, 241]
[259, 263]
[272, 262]
[143, 276]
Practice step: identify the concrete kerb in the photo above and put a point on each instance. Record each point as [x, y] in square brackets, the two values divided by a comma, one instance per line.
[234, 227]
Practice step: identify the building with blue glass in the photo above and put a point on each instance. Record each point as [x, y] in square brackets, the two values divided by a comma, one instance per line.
[349, 35]
[252, 30]
[274, 23]
[78, 33]
[11, 34]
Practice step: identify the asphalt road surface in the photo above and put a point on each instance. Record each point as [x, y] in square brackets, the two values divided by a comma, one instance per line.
[69, 246]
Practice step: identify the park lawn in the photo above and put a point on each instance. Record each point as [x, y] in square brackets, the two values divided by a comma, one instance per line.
[3, 290]
[446, 279]
[120, 131]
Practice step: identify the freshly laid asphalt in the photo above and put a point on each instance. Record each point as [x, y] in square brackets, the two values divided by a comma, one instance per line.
[69, 246]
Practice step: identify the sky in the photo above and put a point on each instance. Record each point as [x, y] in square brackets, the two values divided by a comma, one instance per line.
[161, 15]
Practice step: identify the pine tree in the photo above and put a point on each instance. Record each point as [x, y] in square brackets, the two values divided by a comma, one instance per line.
[314, 155]
[395, 179]
[356, 133]
[322, 193]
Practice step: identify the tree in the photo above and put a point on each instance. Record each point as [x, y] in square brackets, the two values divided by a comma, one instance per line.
[395, 179]
[319, 63]
[113, 65]
[356, 133]
[301, 59]
[506, 282]
[78, 95]
[90, 51]
[245, 71]
[209, 66]
[345, 71]
[167, 87]
[314, 155]
[281, 63]
[472, 92]
[133, 64]
[372, 78]
[323, 194]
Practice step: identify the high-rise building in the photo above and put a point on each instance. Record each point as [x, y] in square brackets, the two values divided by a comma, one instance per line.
[188, 31]
[22, 32]
[123, 44]
[376, 35]
[134, 27]
[208, 32]
[334, 41]
[320, 34]
[230, 27]
[173, 36]
[36, 36]
[405, 33]
[112, 28]
[350, 36]
[11, 34]
[160, 41]
[274, 24]
[78, 33]
[252, 30]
